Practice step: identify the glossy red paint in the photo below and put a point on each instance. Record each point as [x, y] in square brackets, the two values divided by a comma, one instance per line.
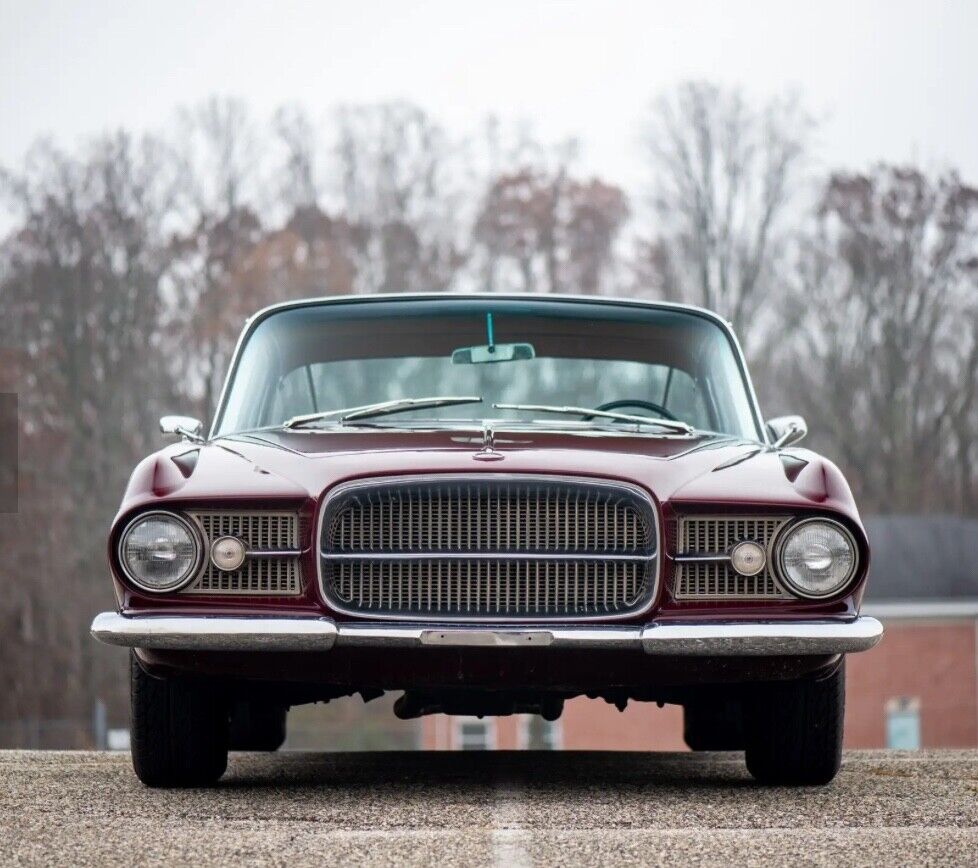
[296, 469]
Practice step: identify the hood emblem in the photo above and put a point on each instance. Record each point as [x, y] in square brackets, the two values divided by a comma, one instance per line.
[488, 452]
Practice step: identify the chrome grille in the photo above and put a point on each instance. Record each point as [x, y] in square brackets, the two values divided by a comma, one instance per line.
[483, 547]
[258, 576]
[716, 535]
[474, 518]
[506, 588]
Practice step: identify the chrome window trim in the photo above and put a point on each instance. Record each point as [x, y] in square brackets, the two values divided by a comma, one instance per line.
[376, 481]
[787, 584]
[192, 574]
[259, 316]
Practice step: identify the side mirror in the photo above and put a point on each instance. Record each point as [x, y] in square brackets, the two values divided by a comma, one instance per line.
[182, 426]
[787, 430]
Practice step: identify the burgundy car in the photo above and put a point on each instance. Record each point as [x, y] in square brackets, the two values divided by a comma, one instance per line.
[490, 504]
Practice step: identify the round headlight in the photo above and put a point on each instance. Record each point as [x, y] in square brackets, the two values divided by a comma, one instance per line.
[818, 558]
[159, 552]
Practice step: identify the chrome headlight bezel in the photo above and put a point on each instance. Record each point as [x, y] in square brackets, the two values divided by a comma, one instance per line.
[186, 577]
[785, 579]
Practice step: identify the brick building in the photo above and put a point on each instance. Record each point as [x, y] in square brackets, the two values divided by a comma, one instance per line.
[917, 688]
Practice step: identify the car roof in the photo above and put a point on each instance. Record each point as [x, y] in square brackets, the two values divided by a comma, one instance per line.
[489, 296]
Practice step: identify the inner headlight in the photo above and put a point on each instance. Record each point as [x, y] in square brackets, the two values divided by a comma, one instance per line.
[818, 557]
[159, 552]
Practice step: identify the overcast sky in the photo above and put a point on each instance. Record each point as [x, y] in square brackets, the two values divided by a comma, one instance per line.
[892, 80]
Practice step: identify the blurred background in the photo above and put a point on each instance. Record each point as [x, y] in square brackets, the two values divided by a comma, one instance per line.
[807, 170]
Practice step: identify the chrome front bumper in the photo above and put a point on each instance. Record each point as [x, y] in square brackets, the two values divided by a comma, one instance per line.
[742, 639]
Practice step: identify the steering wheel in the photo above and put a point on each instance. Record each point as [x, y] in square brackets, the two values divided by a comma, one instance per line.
[635, 402]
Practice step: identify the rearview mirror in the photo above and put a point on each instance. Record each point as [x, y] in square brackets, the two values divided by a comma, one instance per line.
[182, 426]
[491, 353]
[787, 430]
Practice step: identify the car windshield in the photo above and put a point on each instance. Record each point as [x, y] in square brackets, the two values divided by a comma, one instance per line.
[657, 362]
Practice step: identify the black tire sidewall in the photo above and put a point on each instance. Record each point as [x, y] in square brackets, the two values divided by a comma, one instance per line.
[794, 730]
[179, 730]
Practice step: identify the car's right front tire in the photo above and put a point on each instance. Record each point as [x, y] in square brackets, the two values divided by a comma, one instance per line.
[794, 730]
[179, 730]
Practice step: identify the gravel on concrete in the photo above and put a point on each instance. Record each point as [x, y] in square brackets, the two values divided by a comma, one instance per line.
[504, 808]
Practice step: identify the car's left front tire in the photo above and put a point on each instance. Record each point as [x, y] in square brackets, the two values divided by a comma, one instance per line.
[179, 730]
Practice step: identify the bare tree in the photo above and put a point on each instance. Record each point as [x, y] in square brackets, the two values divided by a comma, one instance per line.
[557, 233]
[220, 226]
[79, 306]
[596, 213]
[513, 224]
[723, 176]
[964, 410]
[219, 146]
[885, 366]
[300, 181]
[315, 252]
[397, 181]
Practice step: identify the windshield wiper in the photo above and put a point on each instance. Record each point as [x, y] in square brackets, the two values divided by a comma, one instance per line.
[382, 408]
[668, 424]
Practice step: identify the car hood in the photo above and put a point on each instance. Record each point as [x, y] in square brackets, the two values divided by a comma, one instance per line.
[675, 469]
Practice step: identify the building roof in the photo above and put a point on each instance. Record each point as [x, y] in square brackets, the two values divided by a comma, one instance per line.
[922, 558]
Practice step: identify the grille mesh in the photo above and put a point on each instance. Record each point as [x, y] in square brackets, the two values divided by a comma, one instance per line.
[490, 587]
[258, 576]
[711, 535]
[474, 518]
[393, 526]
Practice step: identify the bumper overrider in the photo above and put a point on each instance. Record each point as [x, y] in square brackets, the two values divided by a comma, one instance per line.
[692, 639]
